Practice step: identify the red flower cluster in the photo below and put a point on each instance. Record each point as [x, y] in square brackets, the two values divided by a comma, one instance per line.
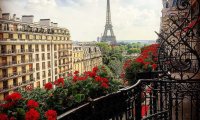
[127, 64]
[148, 56]
[32, 114]
[48, 86]
[3, 117]
[79, 78]
[95, 69]
[51, 115]
[13, 97]
[103, 82]
[59, 82]
[11, 100]
[90, 74]
[76, 72]
[32, 104]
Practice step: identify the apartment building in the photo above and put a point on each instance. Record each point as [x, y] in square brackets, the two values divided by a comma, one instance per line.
[78, 59]
[32, 53]
[92, 55]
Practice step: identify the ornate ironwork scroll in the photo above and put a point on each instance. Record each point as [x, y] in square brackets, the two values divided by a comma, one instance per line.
[179, 52]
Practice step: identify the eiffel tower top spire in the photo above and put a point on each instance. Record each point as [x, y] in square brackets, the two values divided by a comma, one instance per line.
[108, 13]
[108, 27]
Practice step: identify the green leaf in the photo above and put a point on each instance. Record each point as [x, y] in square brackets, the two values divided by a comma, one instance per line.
[79, 97]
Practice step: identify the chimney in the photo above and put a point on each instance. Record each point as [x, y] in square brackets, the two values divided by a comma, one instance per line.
[14, 17]
[27, 18]
[6, 16]
[55, 24]
[45, 22]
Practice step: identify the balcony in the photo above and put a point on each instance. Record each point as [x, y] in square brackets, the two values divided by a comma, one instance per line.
[16, 74]
[64, 49]
[14, 63]
[16, 86]
[15, 52]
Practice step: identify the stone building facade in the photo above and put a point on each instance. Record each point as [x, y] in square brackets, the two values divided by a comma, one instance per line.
[91, 55]
[32, 53]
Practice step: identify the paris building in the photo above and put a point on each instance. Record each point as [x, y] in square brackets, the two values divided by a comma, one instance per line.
[92, 55]
[32, 53]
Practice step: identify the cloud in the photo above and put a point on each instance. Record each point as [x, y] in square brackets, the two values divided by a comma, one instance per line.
[132, 19]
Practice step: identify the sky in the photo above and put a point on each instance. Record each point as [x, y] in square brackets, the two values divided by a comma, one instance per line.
[131, 19]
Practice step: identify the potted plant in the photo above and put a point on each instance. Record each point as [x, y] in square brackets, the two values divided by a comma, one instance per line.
[143, 66]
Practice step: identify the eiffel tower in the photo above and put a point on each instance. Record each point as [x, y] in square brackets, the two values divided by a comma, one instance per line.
[108, 27]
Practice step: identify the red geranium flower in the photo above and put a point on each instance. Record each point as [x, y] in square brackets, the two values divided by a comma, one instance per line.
[8, 105]
[59, 81]
[90, 74]
[12, 118]
[32, 104]
[48, 86]
[104, 85]
[14, 96]
[51, 115]
[76, 72]
[3, 116]
[32, 114]
[95, 69]
[154, 66]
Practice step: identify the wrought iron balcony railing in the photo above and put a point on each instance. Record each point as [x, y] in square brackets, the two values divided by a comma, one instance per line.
[146, 100]
[15, 52]
[15, 63]
[16, 86]
[16, 74]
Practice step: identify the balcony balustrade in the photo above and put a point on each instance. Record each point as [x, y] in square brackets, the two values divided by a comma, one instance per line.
[18, 85]
[15, 52]
[16, 74]
[15, 63]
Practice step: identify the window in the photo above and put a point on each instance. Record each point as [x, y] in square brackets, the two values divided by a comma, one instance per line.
[48, 48]
[37, 66]
[38, 84]
[5, 84]
[30, 57]
[37, 57]
[13, 48]
[22, 48]
[49, 73]
[30, 48]
[24, 69]
[20, 36]
[44, 82]
[43, 65]
[38, 75]
[27, 37]
[43, 56]
[48, 56]
[43, 48]
[15, 82]
[56, 71]
[23, 59]
[55, 62]
[49, 64]
[55, 47]
[55, 55]
[36, 48]
[11, 36]
[43, 74]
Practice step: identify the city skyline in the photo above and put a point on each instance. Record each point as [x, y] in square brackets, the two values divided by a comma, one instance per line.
[132, 19]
